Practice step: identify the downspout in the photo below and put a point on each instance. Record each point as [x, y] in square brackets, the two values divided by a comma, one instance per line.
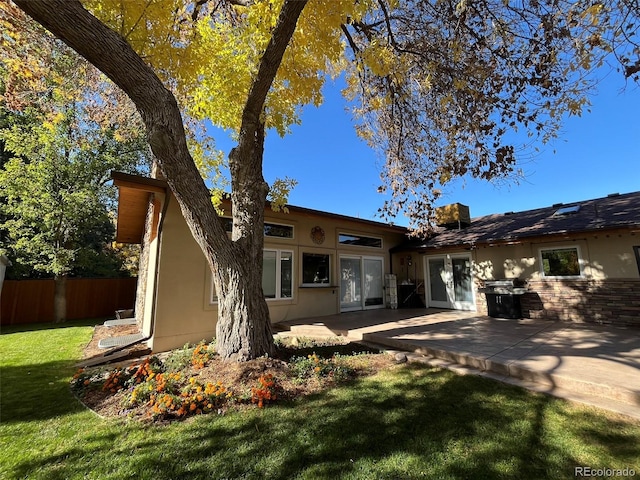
[155, 284]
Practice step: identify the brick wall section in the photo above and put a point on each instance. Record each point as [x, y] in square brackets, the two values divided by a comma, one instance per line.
[611, 301]
[481, 299]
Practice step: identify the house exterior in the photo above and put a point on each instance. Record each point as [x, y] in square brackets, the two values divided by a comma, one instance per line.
[315, 263]
[580, 261]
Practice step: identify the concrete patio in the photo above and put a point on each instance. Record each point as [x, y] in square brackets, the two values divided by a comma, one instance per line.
[592, 364]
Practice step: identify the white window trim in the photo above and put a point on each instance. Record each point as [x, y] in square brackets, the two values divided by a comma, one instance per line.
[561, 247]
[213, 298]
[279, 253]
[361, 259]
[353, 234]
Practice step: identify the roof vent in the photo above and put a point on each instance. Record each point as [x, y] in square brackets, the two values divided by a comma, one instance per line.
[613, 195]
[556, 205]
[453, 216]
[566, 211]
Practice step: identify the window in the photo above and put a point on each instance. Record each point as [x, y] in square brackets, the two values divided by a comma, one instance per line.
[359, 240]
[277, 230]
[277, 274]
[270, 229]
[637, 251]
[316, 271]
[560, 262]
[567, 211]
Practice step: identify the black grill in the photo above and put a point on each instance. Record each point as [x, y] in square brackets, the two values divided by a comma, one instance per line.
[503, 297]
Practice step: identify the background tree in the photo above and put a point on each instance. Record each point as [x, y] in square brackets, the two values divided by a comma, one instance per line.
[62, 132]
[54, 198]
[440, 85]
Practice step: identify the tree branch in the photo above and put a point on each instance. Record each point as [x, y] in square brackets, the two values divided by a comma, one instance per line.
[109, 52]
[270, 63]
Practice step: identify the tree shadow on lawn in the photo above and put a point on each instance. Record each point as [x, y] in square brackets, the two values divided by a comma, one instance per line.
[32, 327]
[37, 392]
[418, 423]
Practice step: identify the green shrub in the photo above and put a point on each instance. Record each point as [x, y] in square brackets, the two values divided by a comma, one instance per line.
[316, 366]
[179, 359]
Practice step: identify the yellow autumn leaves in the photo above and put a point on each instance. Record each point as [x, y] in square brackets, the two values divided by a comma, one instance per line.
[209, 57]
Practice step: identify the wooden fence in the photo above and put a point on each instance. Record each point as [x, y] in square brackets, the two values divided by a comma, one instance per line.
[31, 301]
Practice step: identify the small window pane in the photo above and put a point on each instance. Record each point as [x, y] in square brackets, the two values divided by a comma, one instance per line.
[280, 231]
[286, 274]
[315, 269]
[269, 273]
[360, 241]
[270, 229]
[561, 262]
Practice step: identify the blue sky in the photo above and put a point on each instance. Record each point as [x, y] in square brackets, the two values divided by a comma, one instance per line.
[595, 155]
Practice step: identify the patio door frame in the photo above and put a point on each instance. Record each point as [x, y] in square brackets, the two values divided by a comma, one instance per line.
[449, 282]
[362, 305]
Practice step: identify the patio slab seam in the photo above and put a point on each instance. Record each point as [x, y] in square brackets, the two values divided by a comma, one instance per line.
[528, 338]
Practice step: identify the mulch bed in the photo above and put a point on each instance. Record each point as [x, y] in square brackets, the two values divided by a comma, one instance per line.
[237, 377]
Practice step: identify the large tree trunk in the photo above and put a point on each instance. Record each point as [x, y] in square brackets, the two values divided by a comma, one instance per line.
[241, 332]
[60, 298]
[244, 328]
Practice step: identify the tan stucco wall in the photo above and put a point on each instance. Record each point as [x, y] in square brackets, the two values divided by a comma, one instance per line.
[179, 316]
[184, 310]
[612, 256]
[603, 256]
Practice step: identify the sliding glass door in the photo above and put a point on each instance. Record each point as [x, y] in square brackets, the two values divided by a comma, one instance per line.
[450, 282]
[361, 283]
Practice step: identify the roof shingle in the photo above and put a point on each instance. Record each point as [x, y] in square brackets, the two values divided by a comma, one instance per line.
[611, 212]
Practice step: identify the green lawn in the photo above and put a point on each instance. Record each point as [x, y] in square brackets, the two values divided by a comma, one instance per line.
[416, 422]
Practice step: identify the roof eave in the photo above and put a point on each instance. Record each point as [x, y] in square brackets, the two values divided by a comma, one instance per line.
[133, 203]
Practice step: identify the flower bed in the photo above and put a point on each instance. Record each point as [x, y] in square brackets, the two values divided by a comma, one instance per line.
[194, 380]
